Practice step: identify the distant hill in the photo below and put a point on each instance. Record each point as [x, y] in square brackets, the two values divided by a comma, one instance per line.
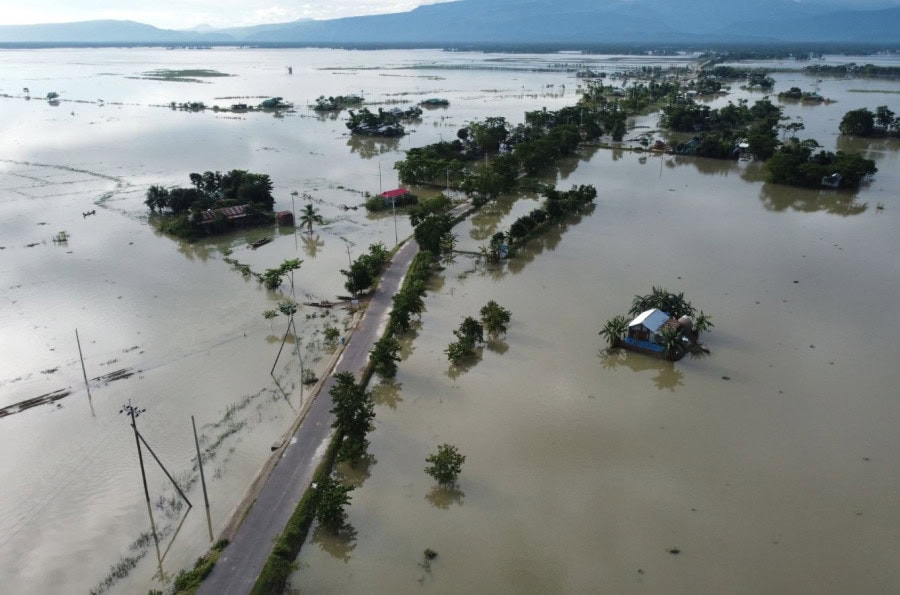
[103, 32]
[508, 22]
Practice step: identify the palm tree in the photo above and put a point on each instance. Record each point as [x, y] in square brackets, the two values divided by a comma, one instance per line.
[703, 322]
[671, 342]
[614, 329]
[310, 215]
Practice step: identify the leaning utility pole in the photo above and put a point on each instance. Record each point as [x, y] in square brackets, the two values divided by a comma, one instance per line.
[83, 371]
[202, 479]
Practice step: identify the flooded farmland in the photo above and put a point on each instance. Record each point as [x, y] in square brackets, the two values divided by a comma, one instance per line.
[767, 465]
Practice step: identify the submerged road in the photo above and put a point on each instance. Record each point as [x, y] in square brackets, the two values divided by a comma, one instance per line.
[241, 562]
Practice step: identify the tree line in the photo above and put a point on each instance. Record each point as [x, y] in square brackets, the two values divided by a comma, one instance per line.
[181, 209]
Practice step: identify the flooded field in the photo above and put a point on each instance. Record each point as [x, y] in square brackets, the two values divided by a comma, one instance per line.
[768, 464]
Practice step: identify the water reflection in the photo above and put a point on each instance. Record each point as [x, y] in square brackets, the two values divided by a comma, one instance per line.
[497, 345]
[667, 377]
[454, 371]
[356, 473]
[338, 544]
[443, 496]
[311, 244]
[548, 240]
[323, 116]
[387, 393]
[719, 167]
[485, 221]
[408, 339]
[368, 147]
[871, 147]
[777, 197]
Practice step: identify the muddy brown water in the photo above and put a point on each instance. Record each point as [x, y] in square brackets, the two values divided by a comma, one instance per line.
[582, 468]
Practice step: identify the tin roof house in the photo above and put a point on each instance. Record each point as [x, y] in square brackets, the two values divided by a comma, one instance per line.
[644, 331]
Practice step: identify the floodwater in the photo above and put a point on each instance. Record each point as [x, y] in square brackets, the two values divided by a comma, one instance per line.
[583, 468]
[766, 467]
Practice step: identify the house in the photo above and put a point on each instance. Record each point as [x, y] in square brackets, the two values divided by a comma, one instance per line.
[393, 195]
[644, 331]
[832, 181]
[232, 214]
[285, 218]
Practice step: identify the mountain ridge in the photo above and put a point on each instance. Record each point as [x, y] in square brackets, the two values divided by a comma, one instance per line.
[523, 22]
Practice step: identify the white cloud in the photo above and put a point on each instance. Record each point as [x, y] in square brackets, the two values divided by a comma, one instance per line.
[182, 14]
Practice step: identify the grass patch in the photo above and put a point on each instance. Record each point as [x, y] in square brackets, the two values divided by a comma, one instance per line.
[873, 91]
[195, 75]
[188, 581]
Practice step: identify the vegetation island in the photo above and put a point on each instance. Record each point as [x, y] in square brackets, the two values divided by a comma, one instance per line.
[383, 123]
[661, 324]
[336, 103]
[215, 203]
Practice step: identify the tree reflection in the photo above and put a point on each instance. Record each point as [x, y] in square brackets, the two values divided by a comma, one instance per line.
[387, 393]
[356, 473]
[485, 221]
[667, 375]
[779, 198]
[368, 147]
[311, 244]
[497, 345]
[870, 146]
[338, 544]
[457, 370]
[444, 496]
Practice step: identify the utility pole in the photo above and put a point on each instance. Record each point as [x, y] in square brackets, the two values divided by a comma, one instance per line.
[83, 371]
[134, 412]
[202, 479]
[394, 213]
[348, 243]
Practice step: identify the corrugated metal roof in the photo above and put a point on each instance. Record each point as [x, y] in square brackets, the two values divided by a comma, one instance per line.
[652, 319]
[394, 193]
[235, 212]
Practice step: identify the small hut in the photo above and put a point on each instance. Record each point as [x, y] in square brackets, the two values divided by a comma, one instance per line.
[285, 218]
[644, 331]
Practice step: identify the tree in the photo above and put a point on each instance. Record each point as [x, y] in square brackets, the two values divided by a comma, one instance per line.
[670, 339]
[331, 498]
[309, 215]
[384, 356]
[884, 116]
[858, 122]
[353, 411]
[495, 318]
[271, 278]
[430, 232]
[762, 140]
[157, 198]
[468, 335]
[703, 322]
[459, 351]
[470, 330]
[659, 297]
[445, 464]
[614, 329]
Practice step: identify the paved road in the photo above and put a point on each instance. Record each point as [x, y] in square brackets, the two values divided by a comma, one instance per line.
[243, 559]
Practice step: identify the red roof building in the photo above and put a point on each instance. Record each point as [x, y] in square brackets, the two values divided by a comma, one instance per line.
[394, 193]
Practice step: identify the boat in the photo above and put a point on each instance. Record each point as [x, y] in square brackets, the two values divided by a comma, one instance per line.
[260, 242]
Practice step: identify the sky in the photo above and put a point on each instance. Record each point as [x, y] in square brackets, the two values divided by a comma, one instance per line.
[185, 14]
